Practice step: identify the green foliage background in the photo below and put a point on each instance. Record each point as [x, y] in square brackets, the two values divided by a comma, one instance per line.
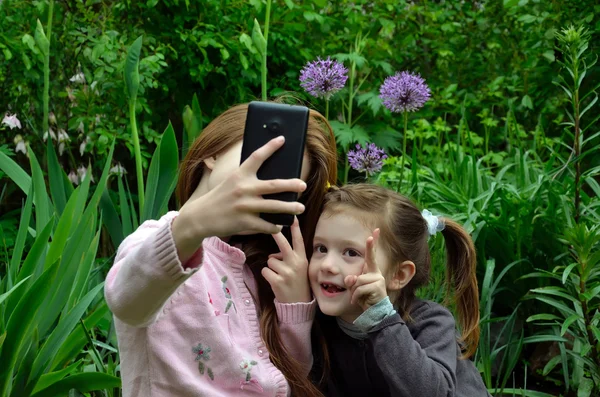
[491, 149]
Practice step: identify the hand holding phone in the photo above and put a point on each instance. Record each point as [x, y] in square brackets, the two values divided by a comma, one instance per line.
[264, 122]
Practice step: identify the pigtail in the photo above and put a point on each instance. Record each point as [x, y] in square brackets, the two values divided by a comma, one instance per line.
[462, 283]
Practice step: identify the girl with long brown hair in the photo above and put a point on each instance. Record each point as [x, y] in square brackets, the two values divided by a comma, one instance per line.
[370, 255]
[200, 308]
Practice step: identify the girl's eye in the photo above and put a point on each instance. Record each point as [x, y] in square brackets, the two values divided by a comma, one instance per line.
[352, 253]
[320, 249]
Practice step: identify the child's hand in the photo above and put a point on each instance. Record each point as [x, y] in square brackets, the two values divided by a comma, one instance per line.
[369, 288]
[233, 206]
[287, 271]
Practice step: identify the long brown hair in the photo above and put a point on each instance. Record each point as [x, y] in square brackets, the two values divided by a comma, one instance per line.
[404, 234]
[224, 131]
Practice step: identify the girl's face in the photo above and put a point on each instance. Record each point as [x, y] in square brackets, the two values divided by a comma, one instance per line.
[220, 167]
[338, 251]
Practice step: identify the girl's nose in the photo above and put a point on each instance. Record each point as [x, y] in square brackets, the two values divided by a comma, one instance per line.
[328, 265]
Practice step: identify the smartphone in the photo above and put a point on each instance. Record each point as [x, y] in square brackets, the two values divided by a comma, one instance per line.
[265, 121]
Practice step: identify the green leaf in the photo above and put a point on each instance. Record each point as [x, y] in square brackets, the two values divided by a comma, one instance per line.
[83, 272]
[21, 235]
[570, 320]
[53, 377]
[41, 40]
[21, 324]
[72, 346]
[36, 253]
[62, 232]
[549, 55]
[520, 392]
[526, 102]
[15, 172]
[111, 219]
[13, 289]
[42, 209]
[586, 386]
[346, 136]
[258, 39]
[162, 175]
[83, 382]
[58, 336]
[289, 3]
[124, 206]
[551, 365]
[55, 179]
[93, 204]
[555, 291]
[567, 271]
[543, 316]
[132, 76]
[72, 258]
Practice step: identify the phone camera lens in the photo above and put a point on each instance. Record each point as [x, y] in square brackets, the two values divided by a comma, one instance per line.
[274, 127]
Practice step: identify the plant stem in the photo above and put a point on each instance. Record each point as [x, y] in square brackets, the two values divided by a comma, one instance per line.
[46, 97]
[403, 152]
[263, 70]
[327, 110]
[576, 146]
[138, 157]
[349, 118]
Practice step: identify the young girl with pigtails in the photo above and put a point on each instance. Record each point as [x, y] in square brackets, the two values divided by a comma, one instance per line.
[370, 255]
[197, 310]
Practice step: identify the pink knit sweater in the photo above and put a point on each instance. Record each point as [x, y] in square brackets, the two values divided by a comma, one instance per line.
[192, 329]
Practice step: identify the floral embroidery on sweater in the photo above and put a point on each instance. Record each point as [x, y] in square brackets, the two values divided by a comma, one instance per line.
[227, 295]
[203, 353]
[248, 382]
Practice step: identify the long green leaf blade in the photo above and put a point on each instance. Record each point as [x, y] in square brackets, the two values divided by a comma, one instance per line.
[84, 382]
[15, 172]
[20, 325]
[58, 336]
[55, 179]
[162, 175]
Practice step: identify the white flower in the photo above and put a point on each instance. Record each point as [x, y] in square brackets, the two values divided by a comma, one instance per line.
[83, 145]
[63, 137]
[80, 127]
[73, 178]
[245, 365]
[70, 94]
[118, 170]
[51, 133]
[20, 145]
[82, 173]
[52, 118]
[79, 78]
[11, 121]
[98, 119]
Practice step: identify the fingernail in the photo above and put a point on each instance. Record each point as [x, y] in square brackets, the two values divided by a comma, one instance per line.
[303, 186]
[300, 208]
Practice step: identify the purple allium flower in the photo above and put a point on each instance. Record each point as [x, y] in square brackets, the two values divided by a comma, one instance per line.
[323, 78]
[404, 92]
[368, 159]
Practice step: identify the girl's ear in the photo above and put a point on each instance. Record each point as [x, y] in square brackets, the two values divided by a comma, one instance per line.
[210, 162]
[404, 273]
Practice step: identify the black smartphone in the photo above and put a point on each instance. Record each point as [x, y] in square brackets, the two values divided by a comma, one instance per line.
[265, 121]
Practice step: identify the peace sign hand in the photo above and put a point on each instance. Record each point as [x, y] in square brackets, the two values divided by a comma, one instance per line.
[368, 288]
[287, 271]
